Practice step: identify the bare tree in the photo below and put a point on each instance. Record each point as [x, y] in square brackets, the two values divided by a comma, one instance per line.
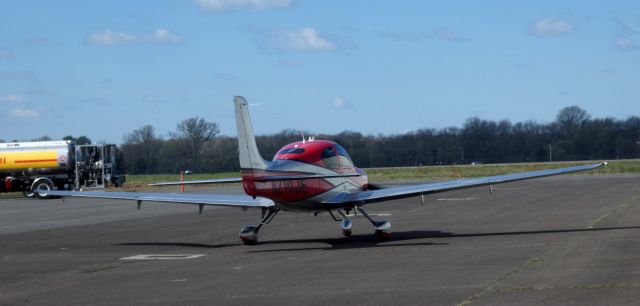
[196, 131]
[145, 141]
[571, 118]
[143, 135]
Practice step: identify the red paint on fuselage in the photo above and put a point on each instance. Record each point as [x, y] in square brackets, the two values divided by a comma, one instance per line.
[322, 153]
[311, 151]
[283, 190]
[319, 153]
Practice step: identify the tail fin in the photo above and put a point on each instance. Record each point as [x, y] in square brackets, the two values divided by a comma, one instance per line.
[249, 155]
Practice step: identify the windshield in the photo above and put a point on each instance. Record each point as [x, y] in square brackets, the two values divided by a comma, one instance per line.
[291, 151]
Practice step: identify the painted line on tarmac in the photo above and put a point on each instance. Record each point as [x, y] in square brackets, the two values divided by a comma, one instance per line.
[456, 199]
[162, 256]
[372, 214]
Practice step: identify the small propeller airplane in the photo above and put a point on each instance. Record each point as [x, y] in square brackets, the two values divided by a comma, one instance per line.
[306, 176]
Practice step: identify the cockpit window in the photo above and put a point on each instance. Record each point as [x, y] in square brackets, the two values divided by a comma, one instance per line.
[330, 158]
[341, 150]
[291, 151]
[327, 152]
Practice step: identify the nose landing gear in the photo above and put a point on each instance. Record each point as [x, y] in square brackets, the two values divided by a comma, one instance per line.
[345, 224]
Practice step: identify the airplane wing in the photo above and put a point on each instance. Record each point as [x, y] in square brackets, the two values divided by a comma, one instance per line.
[258, 179]
[197, 182]
[372, 196]
[242, 201]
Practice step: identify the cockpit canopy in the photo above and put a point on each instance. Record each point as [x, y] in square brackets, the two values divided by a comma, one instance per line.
[321, 153]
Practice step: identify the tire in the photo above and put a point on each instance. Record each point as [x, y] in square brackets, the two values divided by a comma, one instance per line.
[42, 187]
[29, 193]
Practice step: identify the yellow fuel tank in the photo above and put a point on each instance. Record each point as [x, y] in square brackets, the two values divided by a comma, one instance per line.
[35, 157]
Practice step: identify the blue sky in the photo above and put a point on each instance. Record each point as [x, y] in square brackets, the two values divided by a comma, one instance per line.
[104, 68]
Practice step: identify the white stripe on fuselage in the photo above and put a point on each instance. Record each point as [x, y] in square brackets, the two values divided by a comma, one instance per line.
[312, 204]
[287, 165]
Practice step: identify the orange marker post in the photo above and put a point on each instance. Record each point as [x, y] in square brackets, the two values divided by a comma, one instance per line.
[182, 179]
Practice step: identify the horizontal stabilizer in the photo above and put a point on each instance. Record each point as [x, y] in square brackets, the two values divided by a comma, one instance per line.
[257, 179]
[301, 177]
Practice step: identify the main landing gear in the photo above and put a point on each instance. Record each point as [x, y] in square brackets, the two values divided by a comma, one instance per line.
[249, 234]
[381, 228]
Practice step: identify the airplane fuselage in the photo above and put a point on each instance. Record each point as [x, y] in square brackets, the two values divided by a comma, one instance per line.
[319, 157]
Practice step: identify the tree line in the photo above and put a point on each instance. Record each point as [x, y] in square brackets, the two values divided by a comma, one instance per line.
[197, 146]
[574, 135]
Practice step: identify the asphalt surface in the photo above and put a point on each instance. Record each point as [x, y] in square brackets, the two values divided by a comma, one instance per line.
[555, 241]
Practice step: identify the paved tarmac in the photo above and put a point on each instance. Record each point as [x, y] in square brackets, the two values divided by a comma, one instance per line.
[555, 241]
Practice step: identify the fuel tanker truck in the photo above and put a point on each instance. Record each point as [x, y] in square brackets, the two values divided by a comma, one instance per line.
[63, 165]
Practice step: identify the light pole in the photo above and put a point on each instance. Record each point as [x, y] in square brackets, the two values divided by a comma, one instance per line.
[550, 155]
[461, 153]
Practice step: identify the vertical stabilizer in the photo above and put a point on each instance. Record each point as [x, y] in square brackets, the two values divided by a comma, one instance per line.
[249, 155]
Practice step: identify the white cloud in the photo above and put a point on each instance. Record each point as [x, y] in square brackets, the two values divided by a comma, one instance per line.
[306, 39]
[625, 44]
[34, 85]
[341, 103]
[625, 28]
[14, 99]
[408, 36]
[551, 27]
[23, 113]
[224, 5]
[110, 38]
[298, 40]
[163, 36]
[39, 41]
[448, 34]
[289, 63]
[5, 54]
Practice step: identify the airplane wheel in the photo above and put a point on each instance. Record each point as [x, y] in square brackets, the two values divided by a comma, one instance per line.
[248, 235]
[346, 233]
[246, 241]
[383, 235]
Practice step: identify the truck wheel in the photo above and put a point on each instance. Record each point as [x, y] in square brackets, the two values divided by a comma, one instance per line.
[29, 193]
[42, 187]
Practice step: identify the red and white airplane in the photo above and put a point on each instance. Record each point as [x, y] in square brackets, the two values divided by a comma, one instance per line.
[310, 176]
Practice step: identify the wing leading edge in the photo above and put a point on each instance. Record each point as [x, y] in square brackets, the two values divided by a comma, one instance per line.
[258, 179]
[198, 182]
[428, 188]
[229, 200]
